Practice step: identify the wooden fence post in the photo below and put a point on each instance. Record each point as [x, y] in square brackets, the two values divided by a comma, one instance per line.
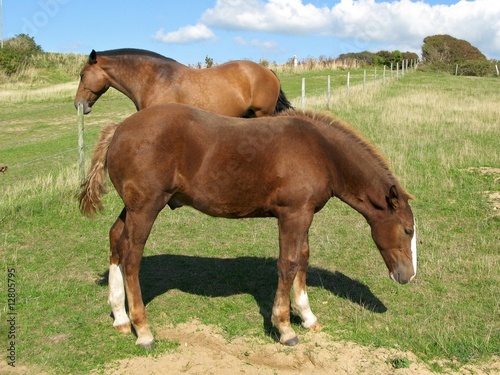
[329, 92]
[81, 144]
[348, 81]
[303, 93]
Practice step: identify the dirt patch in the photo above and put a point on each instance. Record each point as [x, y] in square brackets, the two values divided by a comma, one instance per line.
[203, 350]
[493, 197]
[486, 170]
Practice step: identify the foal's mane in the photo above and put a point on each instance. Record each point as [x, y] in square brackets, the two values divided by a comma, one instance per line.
[331, 127]
[132, 52]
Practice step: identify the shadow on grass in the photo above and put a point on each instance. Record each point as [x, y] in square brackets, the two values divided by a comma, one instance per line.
[223, 277]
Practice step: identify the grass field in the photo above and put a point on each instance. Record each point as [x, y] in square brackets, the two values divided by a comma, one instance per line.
[440, 134]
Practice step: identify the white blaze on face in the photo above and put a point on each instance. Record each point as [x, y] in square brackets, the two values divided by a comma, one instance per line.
[414, 250]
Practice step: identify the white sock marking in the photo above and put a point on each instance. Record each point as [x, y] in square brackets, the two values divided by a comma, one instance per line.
[304, 310]
[117, 295]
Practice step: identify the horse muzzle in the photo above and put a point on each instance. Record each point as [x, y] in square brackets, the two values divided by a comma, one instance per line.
[401, 276]
[87, 106]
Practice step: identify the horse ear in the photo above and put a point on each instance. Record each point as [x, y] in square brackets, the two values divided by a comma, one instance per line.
[93, 57]
[393, 198]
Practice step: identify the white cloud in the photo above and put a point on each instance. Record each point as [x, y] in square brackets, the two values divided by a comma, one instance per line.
[257, 43]
[286, 16]
[365, 22]
[186, 34]
[265, 46]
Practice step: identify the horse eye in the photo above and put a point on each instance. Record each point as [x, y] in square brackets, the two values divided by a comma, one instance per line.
[409, 232]
[82, 75]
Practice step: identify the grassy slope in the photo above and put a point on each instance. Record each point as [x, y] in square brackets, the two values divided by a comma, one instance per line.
[432, 129]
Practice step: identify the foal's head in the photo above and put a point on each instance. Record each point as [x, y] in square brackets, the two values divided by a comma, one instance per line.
[394, 232]
[93, 83]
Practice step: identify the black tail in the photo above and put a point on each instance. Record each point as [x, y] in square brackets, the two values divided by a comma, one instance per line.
[282, 104]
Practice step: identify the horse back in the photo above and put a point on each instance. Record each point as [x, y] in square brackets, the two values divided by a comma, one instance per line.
[222, 166]
[237, 88]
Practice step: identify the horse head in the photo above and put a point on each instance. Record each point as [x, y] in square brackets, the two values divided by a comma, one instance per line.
[93, 83]
[394, 233]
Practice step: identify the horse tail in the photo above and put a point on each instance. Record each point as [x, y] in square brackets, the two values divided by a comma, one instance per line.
[282, 104]
[95, 183]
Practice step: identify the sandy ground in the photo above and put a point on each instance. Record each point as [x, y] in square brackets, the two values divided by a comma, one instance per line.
[204, 351]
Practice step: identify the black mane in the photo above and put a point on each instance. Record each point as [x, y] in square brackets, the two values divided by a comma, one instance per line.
[132, 52]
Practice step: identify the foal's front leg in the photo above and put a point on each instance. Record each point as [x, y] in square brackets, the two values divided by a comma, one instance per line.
[281, 307]
[292, 262]
[300, 303]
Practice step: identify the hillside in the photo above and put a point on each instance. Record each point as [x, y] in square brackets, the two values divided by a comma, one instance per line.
[23, 61]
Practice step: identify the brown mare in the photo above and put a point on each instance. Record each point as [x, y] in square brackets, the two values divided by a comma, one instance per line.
[286, 166]
[237, 88]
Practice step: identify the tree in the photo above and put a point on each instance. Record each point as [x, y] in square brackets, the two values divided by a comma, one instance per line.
[445, 49]
[16, 52]
[410, 56]
[397, 56]
[23, 43]
[209, 61]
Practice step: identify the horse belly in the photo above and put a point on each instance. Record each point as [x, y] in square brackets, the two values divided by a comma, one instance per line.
[216, 201]
[223, 194]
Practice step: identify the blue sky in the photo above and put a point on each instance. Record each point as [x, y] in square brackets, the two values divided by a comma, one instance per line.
[276, 30]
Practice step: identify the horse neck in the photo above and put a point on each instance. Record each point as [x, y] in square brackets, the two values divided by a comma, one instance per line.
[133, 77]
[361, 177]
[368, 199]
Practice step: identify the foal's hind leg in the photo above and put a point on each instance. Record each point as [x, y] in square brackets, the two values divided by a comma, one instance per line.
[136, 231]
[116, 287]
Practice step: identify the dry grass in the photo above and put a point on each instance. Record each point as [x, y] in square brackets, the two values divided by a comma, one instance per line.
[46, 68]
[24, 93]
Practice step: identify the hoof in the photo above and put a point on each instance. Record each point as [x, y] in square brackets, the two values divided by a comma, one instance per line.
[315, 327]
[291, 342]
[123, 328]
[146, 344]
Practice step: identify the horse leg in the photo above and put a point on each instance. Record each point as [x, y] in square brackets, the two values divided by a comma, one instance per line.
[116, 297]
[300, 305]
[293, 233]
[131, 246]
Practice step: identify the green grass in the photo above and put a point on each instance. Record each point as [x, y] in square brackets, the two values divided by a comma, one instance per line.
[436, 131]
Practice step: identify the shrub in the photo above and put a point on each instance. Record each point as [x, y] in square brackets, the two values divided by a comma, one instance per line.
[17, 52]
[475, 68]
